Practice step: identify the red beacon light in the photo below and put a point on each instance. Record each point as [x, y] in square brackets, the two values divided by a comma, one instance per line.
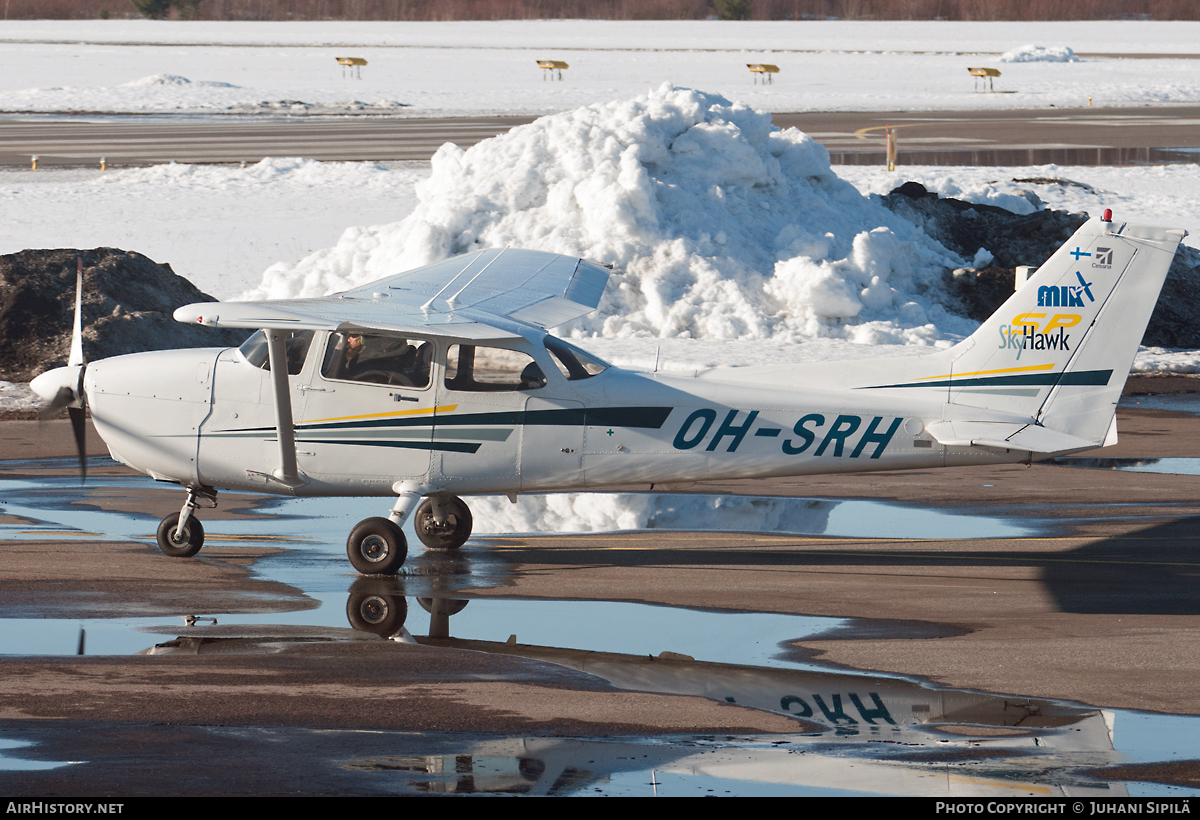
[1107, 215]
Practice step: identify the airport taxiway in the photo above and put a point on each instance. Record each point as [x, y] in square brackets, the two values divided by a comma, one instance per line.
[1082, 136]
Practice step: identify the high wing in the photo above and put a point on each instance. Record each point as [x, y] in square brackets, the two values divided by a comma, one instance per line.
[463, 297]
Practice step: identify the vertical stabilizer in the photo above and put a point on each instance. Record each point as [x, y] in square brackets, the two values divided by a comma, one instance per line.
[1060, 348]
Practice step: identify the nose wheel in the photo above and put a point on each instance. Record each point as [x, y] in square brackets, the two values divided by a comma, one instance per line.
[180, 542]
[181, 535]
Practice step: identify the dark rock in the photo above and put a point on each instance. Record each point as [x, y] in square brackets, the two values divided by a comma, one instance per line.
[1176, 318]
[1030, 239]
[127, 305]
[964, 227]
[978, 292]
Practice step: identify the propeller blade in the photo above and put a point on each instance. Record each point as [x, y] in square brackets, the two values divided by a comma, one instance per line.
[62, 399]
[63, 386]
[79, 427]
[76, 356]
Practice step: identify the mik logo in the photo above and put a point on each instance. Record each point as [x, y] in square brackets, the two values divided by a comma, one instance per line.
[1067, 295]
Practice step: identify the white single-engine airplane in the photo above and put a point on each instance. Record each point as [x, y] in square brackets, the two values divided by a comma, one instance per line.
[443, 382]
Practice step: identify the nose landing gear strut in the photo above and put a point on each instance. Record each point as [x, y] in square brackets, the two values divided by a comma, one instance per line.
[180, 535]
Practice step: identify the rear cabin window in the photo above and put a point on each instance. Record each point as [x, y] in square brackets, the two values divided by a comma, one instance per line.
[475, 368]
[378, 359]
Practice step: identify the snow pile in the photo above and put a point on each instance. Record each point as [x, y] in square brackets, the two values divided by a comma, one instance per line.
[172, 79]
[1039, 54]
[723, 226]
[613, 512]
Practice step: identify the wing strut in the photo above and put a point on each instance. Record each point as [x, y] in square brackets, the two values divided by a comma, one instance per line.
[285, 431]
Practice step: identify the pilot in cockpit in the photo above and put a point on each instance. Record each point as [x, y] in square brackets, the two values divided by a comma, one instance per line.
[377, 359]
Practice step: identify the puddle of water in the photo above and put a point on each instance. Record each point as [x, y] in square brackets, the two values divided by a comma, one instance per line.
[1009, 157]
[381, 762]
[621, 642]
[1164, 466]
[750, 639]
[60, 509]
[315, 563]
[1156, 738]
[1174, 402]
[599, 626]
[16, 764]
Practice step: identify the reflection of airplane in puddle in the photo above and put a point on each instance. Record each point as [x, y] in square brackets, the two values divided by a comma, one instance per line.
[904, 738]
[443, 382]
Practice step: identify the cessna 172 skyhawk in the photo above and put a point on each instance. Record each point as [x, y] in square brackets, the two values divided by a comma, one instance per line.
[443, 382]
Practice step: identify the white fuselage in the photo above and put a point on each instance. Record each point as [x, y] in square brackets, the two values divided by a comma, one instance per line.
[207, 418]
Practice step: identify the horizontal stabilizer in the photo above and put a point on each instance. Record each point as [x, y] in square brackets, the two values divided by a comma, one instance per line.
[1007, 435]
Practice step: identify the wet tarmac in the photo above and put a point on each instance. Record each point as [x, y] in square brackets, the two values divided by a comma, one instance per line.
[1163, 466]
[491, 687]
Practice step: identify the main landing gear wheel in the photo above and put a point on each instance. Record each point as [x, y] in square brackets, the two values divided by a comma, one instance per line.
[449, 536]
[377, 547]
[180, 545]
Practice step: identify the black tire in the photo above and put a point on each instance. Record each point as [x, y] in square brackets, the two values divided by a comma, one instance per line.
[187, 544]
[453, 534]
[377, 605]
[377, 547]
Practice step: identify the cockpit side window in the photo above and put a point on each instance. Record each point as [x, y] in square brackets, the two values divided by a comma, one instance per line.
[378, 359]
[295, 346]
[573, 362]
[480, 369]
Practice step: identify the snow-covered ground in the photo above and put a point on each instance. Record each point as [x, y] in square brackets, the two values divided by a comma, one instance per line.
[223, 226]
[220, 226]
[419, 69]
[738, 244]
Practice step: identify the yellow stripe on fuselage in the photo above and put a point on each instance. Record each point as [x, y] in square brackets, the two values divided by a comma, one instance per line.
[445, 408]
[1030, 369]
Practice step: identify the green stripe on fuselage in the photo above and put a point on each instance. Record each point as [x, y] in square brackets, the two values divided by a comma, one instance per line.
[649, 418]
[1074, 378]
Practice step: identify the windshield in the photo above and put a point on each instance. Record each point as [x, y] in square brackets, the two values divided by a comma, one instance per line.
[295, 344]
[573, 362]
